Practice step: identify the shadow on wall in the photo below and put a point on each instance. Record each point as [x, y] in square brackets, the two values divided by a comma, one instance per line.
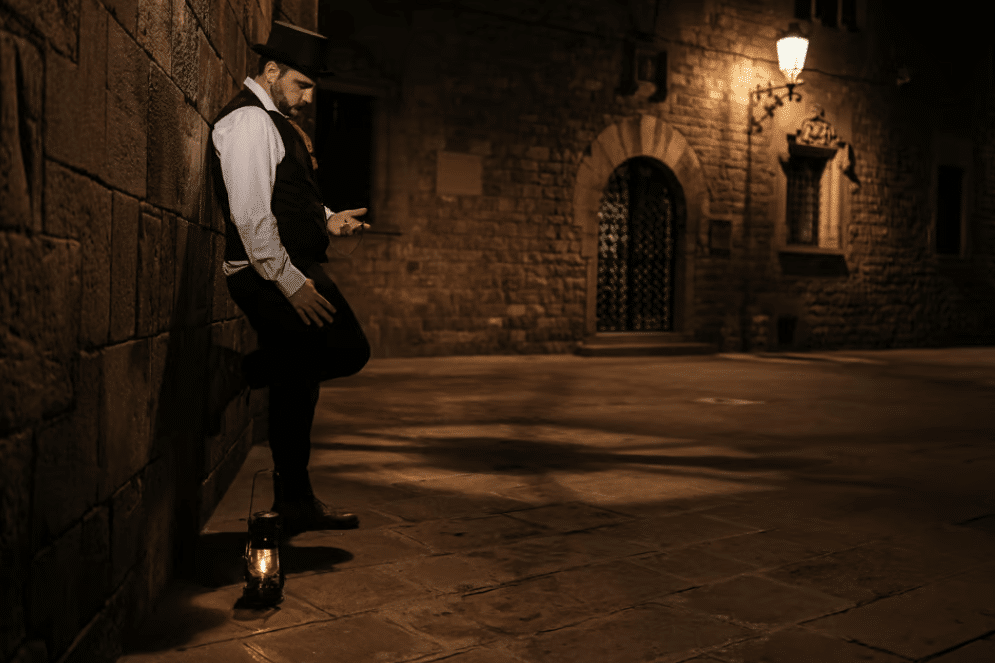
[200, 412]
[197, 370]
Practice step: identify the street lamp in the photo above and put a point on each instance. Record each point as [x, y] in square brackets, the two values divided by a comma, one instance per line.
[792, 48]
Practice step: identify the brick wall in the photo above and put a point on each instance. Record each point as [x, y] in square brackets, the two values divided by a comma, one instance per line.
[529, 90]
[122, 417]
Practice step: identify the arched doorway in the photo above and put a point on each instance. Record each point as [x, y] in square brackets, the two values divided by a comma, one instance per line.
[637, 240]
[648, 141]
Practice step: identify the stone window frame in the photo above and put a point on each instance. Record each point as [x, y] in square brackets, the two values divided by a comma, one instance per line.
[817, 138]
[952, 150]
[651, 136]
[385, 170]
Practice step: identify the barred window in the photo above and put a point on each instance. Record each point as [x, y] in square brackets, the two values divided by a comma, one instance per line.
[949, 196]
[831, 13]
[804, 177]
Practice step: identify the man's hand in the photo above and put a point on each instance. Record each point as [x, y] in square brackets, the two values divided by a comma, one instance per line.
[311, 306]
[345, 223]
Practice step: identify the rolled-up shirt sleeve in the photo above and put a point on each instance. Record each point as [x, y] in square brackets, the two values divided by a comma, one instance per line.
[250, 148]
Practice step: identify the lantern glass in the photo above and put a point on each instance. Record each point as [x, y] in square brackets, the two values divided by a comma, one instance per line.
[791, 51]
[264, 563]
[263, 576]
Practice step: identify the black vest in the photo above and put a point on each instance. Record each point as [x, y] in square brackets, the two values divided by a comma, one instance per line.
[296, 203]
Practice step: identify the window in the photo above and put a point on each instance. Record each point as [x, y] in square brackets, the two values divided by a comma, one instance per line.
[831, 13]
[344, 148]
[949, 209]
[804, 177]
[952, 176]
[815, 195]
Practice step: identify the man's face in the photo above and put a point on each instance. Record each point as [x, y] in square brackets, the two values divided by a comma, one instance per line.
[292, 92]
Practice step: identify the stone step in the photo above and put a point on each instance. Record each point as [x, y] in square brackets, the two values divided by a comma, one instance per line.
[642, 345]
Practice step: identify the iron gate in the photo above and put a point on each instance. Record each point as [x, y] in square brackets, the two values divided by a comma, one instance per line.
[636, 250]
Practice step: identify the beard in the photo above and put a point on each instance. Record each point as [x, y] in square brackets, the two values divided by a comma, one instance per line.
[282, 104]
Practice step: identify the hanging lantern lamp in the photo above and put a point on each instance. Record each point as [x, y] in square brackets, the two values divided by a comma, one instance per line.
[791, 51]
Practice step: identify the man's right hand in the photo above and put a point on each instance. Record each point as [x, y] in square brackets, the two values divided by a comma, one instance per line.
[311, 306]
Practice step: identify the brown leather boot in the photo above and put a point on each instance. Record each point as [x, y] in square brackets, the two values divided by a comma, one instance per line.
[301, 511]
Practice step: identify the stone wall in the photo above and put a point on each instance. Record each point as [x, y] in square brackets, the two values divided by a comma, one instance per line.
[529, 90]
[122, 414]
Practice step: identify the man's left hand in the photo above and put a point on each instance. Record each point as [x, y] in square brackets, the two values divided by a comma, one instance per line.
[345, 222]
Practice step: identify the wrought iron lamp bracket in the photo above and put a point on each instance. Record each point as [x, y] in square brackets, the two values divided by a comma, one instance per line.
[776, 100]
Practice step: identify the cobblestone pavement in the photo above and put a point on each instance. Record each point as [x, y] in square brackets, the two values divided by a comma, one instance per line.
[809, 508]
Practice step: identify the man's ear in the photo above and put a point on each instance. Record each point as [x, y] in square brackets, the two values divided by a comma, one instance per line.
[272, 72]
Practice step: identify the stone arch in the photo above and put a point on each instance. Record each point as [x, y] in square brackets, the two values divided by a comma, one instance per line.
[644, 135]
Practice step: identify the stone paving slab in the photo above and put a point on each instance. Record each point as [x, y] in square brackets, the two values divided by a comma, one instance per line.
[644, 633]
[924, 621]
[359, 638]
[869, 571]
[979, 651]
[544, 509]
[797, 645]
[757, 601]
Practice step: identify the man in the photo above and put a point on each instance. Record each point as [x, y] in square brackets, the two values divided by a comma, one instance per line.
[276, 230]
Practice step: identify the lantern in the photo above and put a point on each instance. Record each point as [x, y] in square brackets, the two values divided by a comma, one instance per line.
[263, 574]
[791, 51]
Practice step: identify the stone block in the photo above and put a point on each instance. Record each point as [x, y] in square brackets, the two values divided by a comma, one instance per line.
[233, 48]
[149, 260]
[72, 201]
[126, 13]
[212, 93]
[220, 298]
[124, 267]
[127, 521]
[53, 591]
[95, 276]
[67, 471]
[58, 21]
[21, 96]
[154, 28]
[180, 285]
[39, 310]
[95, 559]
[167, 271]
[185, 49]
[127, 112]
[158, 511]
[162, 426]
[124, 409]
[75, 131]
[176, 136]
[194, 255]
[15, 509]
[205, 13]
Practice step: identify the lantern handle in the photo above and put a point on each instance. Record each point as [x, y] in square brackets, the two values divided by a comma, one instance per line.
[252, 493]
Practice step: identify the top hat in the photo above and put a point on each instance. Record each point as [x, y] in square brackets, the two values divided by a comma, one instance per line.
[296, 47]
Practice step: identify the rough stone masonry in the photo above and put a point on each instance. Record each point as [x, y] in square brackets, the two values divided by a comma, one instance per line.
[122, 418]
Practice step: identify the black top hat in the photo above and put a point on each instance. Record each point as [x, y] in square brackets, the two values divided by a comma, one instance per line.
[296, 47]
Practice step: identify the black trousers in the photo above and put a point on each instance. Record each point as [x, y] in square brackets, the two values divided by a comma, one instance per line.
[295, 358]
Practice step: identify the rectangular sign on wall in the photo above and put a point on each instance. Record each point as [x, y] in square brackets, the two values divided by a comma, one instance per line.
[458, 174]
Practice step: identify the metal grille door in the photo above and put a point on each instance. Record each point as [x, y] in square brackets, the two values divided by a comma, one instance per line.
[636, 250]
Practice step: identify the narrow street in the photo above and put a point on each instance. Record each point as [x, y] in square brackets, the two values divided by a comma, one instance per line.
[824, 508]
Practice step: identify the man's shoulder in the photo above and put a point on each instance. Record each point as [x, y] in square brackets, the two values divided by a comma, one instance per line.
[249, 118]
[245, 98]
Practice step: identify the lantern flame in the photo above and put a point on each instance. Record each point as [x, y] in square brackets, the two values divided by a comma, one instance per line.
[263, 562]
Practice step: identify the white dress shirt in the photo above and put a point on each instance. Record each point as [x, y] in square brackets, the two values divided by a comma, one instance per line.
[249, 146]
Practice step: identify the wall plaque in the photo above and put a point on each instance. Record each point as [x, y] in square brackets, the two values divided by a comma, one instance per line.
[458, 174]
